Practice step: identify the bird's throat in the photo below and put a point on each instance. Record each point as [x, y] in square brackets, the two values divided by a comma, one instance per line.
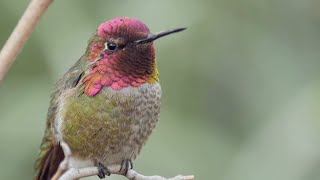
[107, 72]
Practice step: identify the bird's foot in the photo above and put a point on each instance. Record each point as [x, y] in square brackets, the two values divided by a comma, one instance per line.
[103, 171]
[126, 165]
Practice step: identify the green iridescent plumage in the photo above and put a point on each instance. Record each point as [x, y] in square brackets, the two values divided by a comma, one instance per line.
[97, 119]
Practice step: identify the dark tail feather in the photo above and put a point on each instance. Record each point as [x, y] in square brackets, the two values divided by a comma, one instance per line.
[50, 162]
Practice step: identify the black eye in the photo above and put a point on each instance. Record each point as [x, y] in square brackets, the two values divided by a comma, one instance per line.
[111, 46]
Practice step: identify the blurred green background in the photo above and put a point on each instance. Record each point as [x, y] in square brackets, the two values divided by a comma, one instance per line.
[240, 86]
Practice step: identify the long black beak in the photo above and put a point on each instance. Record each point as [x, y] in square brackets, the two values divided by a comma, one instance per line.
[152, 37]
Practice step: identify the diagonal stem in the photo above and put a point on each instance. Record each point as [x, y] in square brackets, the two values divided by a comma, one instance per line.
[21, 33]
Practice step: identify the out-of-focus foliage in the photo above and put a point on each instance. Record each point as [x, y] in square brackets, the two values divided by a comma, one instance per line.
[240, 86]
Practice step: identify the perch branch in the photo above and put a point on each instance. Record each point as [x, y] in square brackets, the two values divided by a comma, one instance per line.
[65, 173]
[73, 173]
[21, 33]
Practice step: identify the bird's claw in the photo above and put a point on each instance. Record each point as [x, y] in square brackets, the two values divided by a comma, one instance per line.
[126, 165]
[103, 171]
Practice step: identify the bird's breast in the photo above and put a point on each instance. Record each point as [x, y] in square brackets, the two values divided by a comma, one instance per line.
[110, 126]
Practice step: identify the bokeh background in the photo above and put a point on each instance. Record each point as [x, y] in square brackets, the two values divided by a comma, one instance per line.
[241, 86]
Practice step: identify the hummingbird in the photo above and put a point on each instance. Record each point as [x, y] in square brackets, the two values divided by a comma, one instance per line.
[107, 104]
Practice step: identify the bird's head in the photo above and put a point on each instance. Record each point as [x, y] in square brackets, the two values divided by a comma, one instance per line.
[122, 54]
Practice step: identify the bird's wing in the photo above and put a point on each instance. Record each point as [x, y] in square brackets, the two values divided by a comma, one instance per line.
[51, 153]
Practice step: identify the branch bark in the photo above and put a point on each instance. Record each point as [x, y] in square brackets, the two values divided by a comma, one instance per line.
[21, 33]
[66, 173]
